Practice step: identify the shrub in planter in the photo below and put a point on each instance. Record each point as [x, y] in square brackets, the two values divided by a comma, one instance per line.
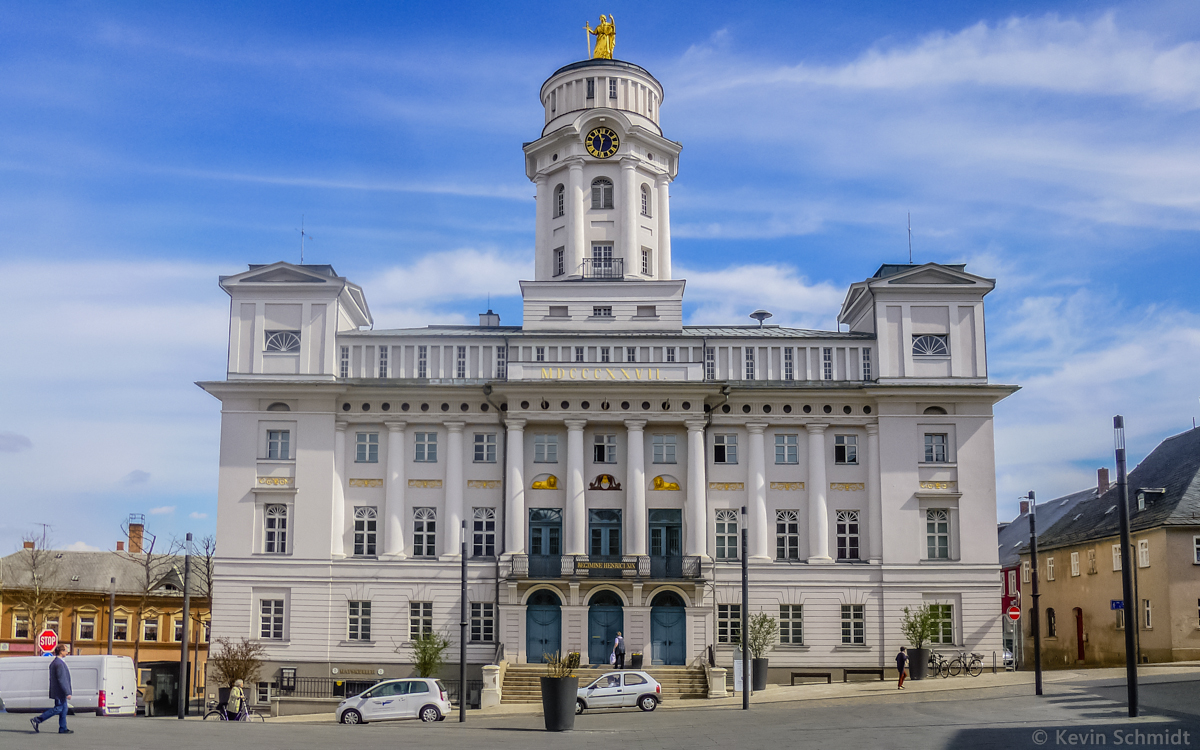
[763, 633]
[919, 626]
[560, 690]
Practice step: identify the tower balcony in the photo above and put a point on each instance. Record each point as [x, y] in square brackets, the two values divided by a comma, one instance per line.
[604, 268]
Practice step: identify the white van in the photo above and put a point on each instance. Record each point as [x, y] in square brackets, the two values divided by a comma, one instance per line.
[104, 684]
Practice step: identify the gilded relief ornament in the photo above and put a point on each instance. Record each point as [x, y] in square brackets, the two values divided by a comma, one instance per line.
[665, 482]
[606, 38]
[605, 482]
[544, 482]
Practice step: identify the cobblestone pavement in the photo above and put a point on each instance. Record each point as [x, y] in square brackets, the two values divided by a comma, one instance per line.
[1089, 706]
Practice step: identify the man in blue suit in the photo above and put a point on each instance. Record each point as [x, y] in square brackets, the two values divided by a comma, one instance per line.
[60, 691]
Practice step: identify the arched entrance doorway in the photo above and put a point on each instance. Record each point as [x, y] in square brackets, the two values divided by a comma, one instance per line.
[605, 618]
[543, 625]
[668, 628]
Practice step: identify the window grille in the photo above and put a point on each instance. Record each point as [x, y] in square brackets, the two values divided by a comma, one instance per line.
[366, 448]
[727, 535]
[786, 449]
[791, 624]
[270, 619]
[485, 447]
[560, 201]
[579, 350]
[612, 88]
[944, 629]
[483, 532]
[460, 367]
[365, 520]
[749, 363]
[866, 363]
[359, 626]
[545, 449]
[729, 623]
[426, 447]
[602, 193]
[937, 534]
[420, 620]
[602, 312]
[539, 353]
[789, 364]
[283, 342]
[827, 363]
[710, 363]
[483, 622]
[847, 535]
[424, 532]
[383, 361]
[787, 535]
[725, 449]
[845, 449]
[604, 451]
[604, 350]
[670, 354]
[501, 362]
[664, 449]
[935, 448]
[645, 202]
[853, 625]
[422, 361]
[631, 354]
[275, 529]
[278, 444]
[344, 365]
[929, 346]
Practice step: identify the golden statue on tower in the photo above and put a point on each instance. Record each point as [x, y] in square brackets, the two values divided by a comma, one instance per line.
[606, 38]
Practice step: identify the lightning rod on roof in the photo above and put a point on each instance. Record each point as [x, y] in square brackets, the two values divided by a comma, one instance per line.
[303, 235]
[910, 238]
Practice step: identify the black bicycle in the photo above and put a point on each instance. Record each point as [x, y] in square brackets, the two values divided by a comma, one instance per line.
[938, 665]
[220, 712]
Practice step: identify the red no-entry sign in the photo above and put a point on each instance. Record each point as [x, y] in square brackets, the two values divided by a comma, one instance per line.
[1014, 613]
[47, 640]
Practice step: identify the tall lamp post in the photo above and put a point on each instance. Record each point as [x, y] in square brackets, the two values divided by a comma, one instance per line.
[745, 639]
[185, 694]
[462, 634]
[1130, 611]
[1035, 615]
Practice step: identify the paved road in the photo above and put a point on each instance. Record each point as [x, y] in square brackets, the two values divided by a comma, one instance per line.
[976, 718]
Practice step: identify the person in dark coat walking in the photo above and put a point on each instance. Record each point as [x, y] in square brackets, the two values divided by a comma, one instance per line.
[60, 691]
[619, 651]
[901, 663]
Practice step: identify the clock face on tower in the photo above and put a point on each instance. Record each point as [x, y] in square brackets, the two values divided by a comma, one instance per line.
[602, 143]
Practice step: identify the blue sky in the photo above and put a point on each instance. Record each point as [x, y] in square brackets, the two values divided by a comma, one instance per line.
[147, 148]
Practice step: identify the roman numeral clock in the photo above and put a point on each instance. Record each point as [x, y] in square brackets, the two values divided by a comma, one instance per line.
[602, 142]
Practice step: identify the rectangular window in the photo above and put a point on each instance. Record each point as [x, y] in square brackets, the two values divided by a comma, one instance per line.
[383, 361]
[1195, 550]
[631, 354]
[944, 630]
[853, 625]
[1143, 553]
[791, 624]
[422, 361]
[1116, 555]
[150, 629]
[420, 620]
[359, 626]
[724, 449]
[545, 449]
[935, 448]
[366, 448]
[1091, 562]
[845, 449]
[785, 449]
[1147, 623]
[670, 354]
[279, 444]
[20, 626]
[120, 629]
[579, 350]
[178, 629]
[424, 532]
[729, 623]
[827, 363]
[604, 450]
[87, 628]
[426, 447]
[937, 534]
[602, 312]
[275, 529]
[366, 519]
[1049, 568]
[502, 361]
[645, 253]
[270, 619]
[1074, 564]
[728, 542]
[483, 622]
[787, 535]
[1025, 572]
[847, 535]
[866, 363]
[1120, 613]
[664, 449]
[1012, 583]
[749, 362]
[560, 261]
[344, 364]
[460, 364]
[605, 354]
[789, 363]
[612, 88]
[485, 447]
[591, 88]
[483, 532]
[539, 353]
[710, 363]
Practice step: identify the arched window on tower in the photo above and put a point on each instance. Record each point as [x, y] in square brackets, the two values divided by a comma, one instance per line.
[559, 201]
[645, 200]
[602, 193]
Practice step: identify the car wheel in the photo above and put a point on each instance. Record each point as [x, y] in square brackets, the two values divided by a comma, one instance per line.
[352, 717]
[430, 713]
[647, 703]
[579, 707]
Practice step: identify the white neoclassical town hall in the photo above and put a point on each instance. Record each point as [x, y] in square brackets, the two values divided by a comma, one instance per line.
[602, 455]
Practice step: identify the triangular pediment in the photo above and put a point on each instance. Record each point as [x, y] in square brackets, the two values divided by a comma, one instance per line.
[283, 272]
[931, 276]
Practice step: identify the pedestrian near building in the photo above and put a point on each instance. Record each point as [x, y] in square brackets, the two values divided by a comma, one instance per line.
[901, 663]
[60, 692]
[619, 651]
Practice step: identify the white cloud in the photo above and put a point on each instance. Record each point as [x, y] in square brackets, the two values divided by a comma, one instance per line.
[163, 510]
[11, 442]
[82, 547]
[408, 295]
[137, 476]
[197, 515]
[727, 296]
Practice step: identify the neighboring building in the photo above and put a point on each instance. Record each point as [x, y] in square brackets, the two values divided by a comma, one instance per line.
[1080, 567]
[1013, 538]
[599, 455]
[80, 613]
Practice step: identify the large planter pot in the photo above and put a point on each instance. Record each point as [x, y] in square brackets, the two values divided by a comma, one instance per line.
[558, 702]
[758, 670]
[918, 663]
[635, 661]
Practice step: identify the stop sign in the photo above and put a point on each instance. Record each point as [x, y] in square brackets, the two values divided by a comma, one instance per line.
[47, 640]
[1014, 613]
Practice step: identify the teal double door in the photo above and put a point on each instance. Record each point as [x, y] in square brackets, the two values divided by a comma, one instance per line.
[668, 629]
[606, 618]
[543, 626]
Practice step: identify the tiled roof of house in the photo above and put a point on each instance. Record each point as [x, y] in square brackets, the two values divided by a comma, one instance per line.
[89, 572]
[1014, 537]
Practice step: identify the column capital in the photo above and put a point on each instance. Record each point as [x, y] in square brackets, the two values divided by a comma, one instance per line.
[516, 425]
[662, 180]
[574, 163]
[635, 425]
[630, 162]
[575, 424]
[341, 426]
[816, 428]
[542, 179]
[455, 426]
[396, 426]
[756, 428]
[695, 425]
[873, 429]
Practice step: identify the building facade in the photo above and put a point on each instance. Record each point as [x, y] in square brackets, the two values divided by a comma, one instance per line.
[601, 460]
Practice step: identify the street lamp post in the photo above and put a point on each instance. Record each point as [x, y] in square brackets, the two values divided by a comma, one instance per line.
[745, 639]
[1035, 615]
[1130, 606]
[185, 693]
[462, 634]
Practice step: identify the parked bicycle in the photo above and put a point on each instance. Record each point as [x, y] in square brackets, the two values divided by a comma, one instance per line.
[216, 710]
[972, 665]
[938, 665]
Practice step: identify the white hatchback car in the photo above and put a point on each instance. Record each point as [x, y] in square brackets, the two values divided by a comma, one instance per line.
[415, 698]
[620, 690]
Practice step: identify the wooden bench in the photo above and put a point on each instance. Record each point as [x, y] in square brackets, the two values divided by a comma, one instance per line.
[847, 672]
[827, 675]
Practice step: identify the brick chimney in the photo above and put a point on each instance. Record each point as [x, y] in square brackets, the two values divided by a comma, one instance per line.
[1024, 507]
[120, 546]
[137, 526]
[28, 545]
[1102, 480]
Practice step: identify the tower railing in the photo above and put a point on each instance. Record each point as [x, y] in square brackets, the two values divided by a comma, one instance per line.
[603, 268]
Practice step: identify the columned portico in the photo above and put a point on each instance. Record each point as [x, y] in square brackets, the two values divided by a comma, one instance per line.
[576, 508]
[635, 487]
[393, 493]
[337, 524]
[874, 495]
[455, 512]
[514, 510]
[818, 490]
[756, 493]
[697, 529]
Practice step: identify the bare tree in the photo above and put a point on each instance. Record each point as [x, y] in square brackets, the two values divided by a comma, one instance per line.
[231, 661]
[153, 562]
[203, 561]
[36, 582]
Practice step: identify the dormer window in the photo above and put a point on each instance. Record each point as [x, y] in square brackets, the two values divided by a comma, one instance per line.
[928, 345]
[283, 342]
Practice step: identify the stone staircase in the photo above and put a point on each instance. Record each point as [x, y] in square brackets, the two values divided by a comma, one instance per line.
[522, 685]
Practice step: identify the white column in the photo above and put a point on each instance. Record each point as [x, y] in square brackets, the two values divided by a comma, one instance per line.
[514, 509]
[697, 520]
[818, 489]
[576, 218]
[630, 202]
[455, 512]
[635, 487]
[543, 262]
[337, 522]
[576, 510]
[664, 227]
[874, 497]
[393, 493]
[756, 493]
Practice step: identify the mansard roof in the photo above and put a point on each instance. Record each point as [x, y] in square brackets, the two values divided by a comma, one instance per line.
[746, 331]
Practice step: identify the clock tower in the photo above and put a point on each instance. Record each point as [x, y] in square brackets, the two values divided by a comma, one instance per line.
[603, 170]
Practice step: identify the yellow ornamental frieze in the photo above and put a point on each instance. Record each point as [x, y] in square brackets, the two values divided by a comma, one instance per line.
[366, 482]
[276, 481]
[847, 486]
[429, 484]
[787, 486]
[939, 485]
[483, 484]
[727, 486]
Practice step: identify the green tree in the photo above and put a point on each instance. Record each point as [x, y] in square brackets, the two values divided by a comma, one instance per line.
[429, 654]
[920, 625]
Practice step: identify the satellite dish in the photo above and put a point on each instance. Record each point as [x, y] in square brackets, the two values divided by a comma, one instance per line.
[760, 316]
